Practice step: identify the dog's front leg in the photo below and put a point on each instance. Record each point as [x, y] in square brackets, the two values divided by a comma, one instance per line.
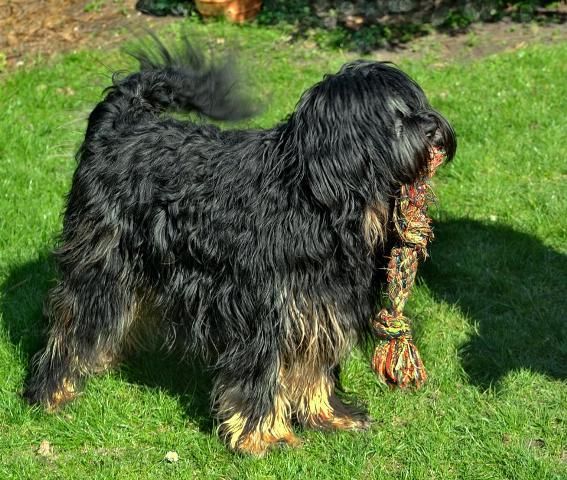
[316, 405]
[252, 408]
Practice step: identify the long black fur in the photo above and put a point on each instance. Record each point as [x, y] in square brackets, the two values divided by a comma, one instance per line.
[218, 229]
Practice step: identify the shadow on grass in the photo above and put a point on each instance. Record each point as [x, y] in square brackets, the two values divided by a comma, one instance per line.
[21, 300]
[512, 287]
[188, 381]
[510, 284]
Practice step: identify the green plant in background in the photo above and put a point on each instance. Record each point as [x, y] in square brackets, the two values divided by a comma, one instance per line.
[457, 20]
[179, 8]
[275, 12]
[94, 6]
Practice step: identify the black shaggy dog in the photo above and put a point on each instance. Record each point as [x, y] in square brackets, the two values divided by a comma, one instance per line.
[261, 250]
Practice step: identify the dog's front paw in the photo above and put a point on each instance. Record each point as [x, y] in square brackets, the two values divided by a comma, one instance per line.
[339, 421]
[336, 415]
[259, 443]
[259, 439]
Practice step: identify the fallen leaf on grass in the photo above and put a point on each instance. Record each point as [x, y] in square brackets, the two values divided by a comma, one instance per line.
[536, 443]
[171, 457]
[45, 449]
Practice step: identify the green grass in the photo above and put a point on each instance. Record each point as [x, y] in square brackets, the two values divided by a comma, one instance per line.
[490, 308]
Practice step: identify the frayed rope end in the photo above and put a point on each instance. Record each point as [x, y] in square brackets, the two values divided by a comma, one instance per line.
[396, 360]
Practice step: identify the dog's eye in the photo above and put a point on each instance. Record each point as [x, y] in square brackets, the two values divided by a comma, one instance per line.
[430, 130]
[429, 126]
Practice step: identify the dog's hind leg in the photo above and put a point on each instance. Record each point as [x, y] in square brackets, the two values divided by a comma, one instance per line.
[90, 317]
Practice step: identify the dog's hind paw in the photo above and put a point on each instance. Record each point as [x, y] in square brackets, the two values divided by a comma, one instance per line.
[54, 400]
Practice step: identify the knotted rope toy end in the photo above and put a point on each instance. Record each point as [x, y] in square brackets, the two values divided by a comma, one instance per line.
[396, 360]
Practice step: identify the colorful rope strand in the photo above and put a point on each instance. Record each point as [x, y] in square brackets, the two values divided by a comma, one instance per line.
[396, 359]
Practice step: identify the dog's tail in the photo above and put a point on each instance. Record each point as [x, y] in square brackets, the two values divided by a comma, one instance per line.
[182, 79]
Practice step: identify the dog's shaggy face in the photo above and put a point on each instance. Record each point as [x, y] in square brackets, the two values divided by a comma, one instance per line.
[261, 250]
[370, 126]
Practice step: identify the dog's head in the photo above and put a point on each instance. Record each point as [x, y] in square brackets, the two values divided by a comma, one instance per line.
[366, 129]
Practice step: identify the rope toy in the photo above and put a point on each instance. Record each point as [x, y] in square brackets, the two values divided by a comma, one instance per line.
[396, 359]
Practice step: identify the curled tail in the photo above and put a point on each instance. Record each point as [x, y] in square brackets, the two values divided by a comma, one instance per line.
[181, 79]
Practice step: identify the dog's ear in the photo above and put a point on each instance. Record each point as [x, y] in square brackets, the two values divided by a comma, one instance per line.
[363, 132]
[334, 137]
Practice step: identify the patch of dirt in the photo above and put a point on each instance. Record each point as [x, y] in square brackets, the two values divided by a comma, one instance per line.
[41, 28]
[32, 28]
[480, 40]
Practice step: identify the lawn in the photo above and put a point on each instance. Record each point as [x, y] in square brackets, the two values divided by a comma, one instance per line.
[490, 307]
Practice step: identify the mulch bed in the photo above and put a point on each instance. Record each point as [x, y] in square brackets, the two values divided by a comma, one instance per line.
[43, 27]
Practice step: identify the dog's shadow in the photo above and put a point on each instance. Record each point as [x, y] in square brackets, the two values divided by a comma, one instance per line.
[508, 283]
[512, 287]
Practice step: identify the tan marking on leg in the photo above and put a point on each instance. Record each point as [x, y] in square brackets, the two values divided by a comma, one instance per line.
[317, 406]
[143, 326]
[65, 394]
[316, 340]
[104, 358]
[105, 361]
[272, 430]
[315, 336]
